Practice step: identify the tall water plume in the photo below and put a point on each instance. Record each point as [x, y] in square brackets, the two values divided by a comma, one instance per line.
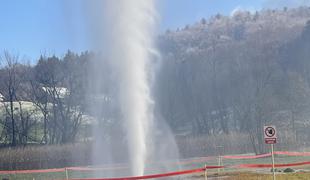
[127, 128]
[130, 50]
[128, 34]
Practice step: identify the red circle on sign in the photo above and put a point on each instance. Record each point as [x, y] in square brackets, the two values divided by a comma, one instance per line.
[270, 131]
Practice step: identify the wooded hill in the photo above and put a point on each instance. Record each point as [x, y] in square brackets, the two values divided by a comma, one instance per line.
[238, 73]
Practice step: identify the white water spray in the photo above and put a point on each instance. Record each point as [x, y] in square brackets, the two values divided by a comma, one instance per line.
[130, 46]
[126, 127]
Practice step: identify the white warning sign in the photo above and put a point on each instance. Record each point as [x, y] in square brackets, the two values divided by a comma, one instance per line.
[270, 134]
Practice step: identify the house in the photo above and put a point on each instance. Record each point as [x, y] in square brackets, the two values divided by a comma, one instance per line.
[61, 92]
[1, 97]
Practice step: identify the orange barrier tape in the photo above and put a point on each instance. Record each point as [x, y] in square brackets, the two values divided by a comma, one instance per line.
[270, 165]
[247, 157]
[292, 153]
[181, 162]
[269, 154]
[197, 160]
[202, 159]
[192, 171]
[176, 173]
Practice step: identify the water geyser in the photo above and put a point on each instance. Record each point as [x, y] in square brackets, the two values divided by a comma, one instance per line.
[128, 34]
[128, 126]
[132, 44]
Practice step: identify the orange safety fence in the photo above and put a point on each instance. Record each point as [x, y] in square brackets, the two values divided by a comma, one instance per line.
[247, 157]
[176, 173]
[292, 153]
[193, 171]
[270, 165]
[268, 154]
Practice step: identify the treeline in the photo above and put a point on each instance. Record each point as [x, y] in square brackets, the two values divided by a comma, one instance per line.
[237, 74]
[43, 103]
[218, 76]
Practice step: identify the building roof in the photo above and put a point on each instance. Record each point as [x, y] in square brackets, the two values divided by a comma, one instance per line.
[1, 97]
[61, 91]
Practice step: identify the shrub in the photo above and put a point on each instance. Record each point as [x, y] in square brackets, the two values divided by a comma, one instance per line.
[288, 170]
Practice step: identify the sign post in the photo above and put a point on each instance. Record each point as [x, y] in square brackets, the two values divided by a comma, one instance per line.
[270, 135]
[272, 158]
[220, 150]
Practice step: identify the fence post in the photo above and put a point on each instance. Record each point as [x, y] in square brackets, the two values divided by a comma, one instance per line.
[66, 171]
[206, 175]
[219, 163]
[220, 150]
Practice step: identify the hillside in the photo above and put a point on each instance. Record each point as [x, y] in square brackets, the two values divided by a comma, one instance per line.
[220, 76]
[235, 74]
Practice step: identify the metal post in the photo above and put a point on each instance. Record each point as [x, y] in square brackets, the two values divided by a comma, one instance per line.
[66, 171]
[220, 152]
[219, 163]
[206, 175]
[272, 157]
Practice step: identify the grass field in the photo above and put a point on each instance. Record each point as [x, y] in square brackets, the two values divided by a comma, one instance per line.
[302, 172]
[227, 175]
[256, 176]
[279, 159]
[185, 164]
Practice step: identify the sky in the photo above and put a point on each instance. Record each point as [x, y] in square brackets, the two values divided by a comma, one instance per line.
[33, 27]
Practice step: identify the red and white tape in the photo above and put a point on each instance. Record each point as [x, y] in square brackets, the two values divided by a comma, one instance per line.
[270, 165]
[268, 155]
[176, 173]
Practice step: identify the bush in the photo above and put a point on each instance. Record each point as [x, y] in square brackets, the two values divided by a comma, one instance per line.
[276, 170]
[288, 170]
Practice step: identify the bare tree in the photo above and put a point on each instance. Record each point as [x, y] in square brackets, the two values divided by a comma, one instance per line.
[11, 83]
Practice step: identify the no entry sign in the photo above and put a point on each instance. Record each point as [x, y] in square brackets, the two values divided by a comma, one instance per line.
[270, 134]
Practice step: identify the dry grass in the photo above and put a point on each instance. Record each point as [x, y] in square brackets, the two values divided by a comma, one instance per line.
[233, 143]
[257, 176]
[43, 157]
[209, 145]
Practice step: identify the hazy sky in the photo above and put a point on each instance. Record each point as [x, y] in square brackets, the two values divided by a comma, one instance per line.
[34, 27]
